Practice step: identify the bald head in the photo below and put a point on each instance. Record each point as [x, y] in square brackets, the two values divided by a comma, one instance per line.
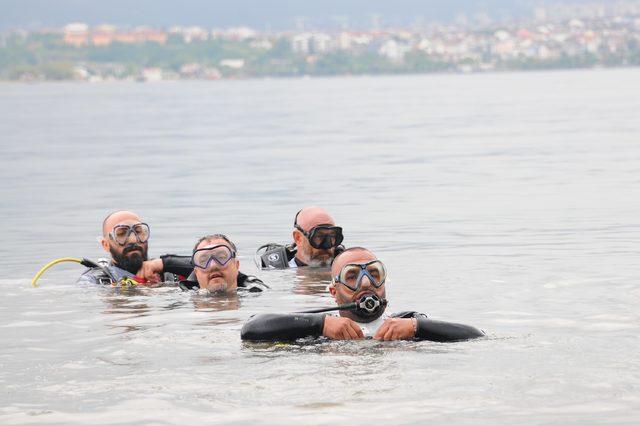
[310, 217]
[117, 217]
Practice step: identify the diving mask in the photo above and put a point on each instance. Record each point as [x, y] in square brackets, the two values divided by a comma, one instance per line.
[323, 237]
[351, 274]
[219, 254]
[120, 233]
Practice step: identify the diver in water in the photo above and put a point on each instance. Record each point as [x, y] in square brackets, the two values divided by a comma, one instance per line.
[216, 268]
[316, 241]
[126, 238]
[358, 287]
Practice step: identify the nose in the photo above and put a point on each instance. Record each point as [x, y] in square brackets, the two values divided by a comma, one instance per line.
[133, 237]
[212, 265]
[365, 282]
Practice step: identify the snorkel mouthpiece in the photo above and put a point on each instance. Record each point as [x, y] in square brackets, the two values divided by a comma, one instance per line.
[370, 306]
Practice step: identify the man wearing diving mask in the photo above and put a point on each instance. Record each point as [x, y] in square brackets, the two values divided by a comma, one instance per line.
[316, 241]
[358, 287]
[125, 237]
[215, 268]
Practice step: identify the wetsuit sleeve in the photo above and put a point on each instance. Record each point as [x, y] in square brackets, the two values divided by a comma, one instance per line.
[179, 265]
[441, 331]
[282, 327]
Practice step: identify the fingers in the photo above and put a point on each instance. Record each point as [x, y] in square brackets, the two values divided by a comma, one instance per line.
[354, 330]
[154, 278]
[342, 328]
[389, 335]
[150, 268]
[381, 331]
[351, 330]
[395, 329]
[359, 331]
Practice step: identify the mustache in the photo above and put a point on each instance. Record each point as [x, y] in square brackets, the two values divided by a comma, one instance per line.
[132, 247]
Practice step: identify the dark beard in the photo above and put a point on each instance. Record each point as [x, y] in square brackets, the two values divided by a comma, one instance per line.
[130, 259]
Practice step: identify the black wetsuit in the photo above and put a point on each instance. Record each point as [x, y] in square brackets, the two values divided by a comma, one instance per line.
[246, 283]
[287, 327]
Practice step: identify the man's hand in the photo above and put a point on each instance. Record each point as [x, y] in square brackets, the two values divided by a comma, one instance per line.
[341, 328]
[396, 329]
[151, 270]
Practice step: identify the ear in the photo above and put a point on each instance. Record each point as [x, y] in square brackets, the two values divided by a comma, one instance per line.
[297, 237]
[105, 244]
[332, 289]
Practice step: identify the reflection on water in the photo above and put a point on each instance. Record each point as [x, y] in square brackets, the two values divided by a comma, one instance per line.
[508, 202]
[214, 303]
[312, 280]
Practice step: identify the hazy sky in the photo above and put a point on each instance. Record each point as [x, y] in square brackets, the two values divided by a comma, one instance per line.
[260, 14]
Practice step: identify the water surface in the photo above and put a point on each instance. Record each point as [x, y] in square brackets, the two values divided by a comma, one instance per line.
[506, 201]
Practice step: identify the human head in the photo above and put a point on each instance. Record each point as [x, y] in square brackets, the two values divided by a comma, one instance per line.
[307, 219]
[341, 293]
[130, 255]
[217, 278]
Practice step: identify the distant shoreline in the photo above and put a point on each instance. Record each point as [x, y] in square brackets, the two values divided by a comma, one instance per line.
[107, 53]
[326, 76]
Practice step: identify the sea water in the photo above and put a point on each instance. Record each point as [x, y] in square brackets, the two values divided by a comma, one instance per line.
[510, 202]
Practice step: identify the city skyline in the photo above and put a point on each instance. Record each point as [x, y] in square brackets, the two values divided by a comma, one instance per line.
[106, 52]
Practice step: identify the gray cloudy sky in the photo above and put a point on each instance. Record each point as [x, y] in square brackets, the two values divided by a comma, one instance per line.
[260, 14]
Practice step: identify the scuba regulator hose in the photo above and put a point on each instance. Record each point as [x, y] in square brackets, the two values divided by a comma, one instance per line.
[84, 262]
[367, 306]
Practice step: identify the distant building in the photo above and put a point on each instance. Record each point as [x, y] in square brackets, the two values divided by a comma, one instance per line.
[103, 35]
[240, 33]
[235, 64]
[151, 74]
[300, 43]
[79, 34]
[321, 42]
[76, 34]
[145, 34]
[393, 50]
[194, 34]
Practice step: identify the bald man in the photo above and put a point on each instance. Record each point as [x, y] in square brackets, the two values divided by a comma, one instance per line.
[125, 237]
[316, 241]
[358, 288]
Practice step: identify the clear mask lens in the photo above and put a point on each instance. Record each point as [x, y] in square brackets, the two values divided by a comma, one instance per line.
[121, 233]
[353, 274]
[203, 258]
